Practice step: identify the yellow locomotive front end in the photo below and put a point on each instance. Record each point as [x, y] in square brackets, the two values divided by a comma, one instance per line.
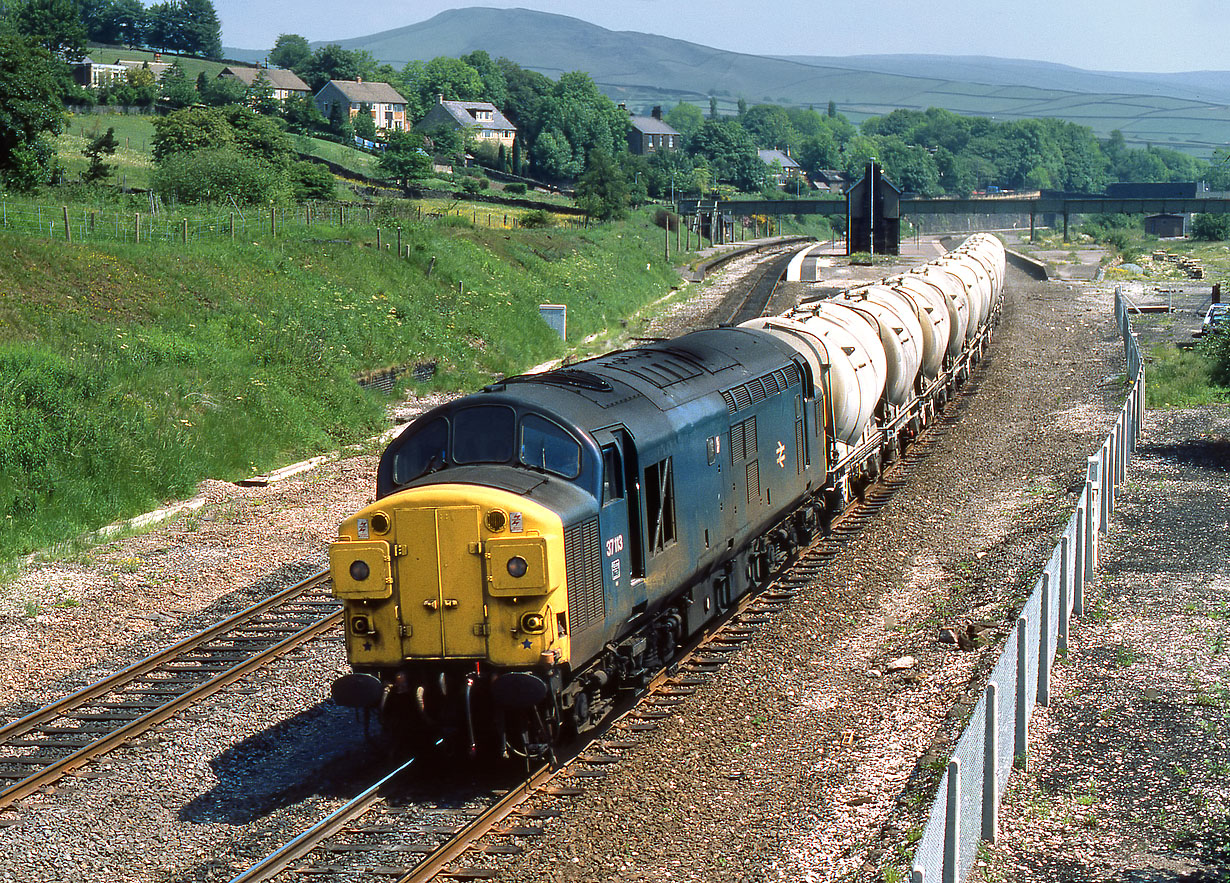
[455, 595]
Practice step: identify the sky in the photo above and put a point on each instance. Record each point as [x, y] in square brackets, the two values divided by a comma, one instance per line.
[1122, 35]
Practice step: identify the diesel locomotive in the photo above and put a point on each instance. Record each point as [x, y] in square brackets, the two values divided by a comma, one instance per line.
[541, 545]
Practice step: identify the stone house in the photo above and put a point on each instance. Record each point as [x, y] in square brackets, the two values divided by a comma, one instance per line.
[481, 117]
[388, 107]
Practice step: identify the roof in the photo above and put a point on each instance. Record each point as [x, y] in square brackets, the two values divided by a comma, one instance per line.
[278, 78]
[768, 157]
[463, 113]
[366, 93]
[652, 126]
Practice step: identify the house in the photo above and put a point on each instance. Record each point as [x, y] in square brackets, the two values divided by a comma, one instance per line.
[832, 180]
[790, 170]
[285, 83]
[649, 134]
[156, 67]
[481, 117]
[91, 74]
[387, 104]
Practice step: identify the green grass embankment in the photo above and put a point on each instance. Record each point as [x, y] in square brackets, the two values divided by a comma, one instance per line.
[131, 372]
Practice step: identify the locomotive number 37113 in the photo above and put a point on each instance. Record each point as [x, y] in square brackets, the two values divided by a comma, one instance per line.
[614, 545]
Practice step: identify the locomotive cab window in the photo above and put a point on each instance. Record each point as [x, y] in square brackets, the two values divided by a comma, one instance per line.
[547, 446]
[660, 505]
[612, 475]
[484, 434]
[424, 451]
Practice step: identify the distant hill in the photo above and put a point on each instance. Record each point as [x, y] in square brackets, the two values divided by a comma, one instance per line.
[1188, 111]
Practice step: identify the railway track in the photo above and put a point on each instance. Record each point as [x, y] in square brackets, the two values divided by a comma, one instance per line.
[376, 834]
[51, 742]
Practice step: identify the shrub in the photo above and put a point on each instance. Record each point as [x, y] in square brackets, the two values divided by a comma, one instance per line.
[1213, 228]
[484, 183]
[215, 174]
[666, 219]
[537, 218]
[469, 185]
[311, 180]
[1216, 347]
[517, 188]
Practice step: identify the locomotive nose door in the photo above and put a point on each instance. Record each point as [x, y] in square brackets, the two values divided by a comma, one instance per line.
[441, 582]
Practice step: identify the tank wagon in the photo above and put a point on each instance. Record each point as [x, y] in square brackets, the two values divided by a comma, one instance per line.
[541, 545]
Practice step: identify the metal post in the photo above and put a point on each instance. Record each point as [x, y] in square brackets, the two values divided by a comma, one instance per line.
[1078, 563]
[185, 231]
[990, 766]
[273, 221]
[1063, 593]
[1020, 744]
[952, 823]
[1044, 643]
[1103, 492]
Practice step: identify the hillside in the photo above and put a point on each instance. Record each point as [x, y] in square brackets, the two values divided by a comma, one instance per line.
[132, 372]
[1187, 111]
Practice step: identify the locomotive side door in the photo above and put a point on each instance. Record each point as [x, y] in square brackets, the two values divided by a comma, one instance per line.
[619, 523]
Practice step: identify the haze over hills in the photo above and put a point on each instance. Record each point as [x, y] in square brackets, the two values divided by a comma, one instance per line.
[1188, 111]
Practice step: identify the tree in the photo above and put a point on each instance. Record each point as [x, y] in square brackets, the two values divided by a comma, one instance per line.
[729, 153]
[686, 119]
[176, 90]
[364, 125]
[332, 62]
[495, 84]
[302, 114]
[290, 51]
[602, 192]
[713, 107]
[818, 151]
[404, 159]
[1211, 227]
[260, 96]
[203, 31]
[53, 24]
[102, 146]
[832, 109]
[769, 126]
[451, 78]
[193, 128]
[30, 112]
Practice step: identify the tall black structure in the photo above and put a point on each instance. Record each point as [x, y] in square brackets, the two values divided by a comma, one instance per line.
[874, 214]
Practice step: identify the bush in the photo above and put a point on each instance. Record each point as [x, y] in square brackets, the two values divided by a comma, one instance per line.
[311, 180]
[469, 185]
[215, 174]
[537, 218]
[1213, 228]
[1216, 348]
[517, 188]
[666, 219]
[484, 183]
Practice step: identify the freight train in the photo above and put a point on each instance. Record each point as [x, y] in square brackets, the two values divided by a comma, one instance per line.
[540, 546]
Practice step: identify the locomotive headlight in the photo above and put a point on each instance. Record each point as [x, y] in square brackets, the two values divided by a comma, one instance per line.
[517, 567]
[360, 625]
[534, 623]
[359, 571]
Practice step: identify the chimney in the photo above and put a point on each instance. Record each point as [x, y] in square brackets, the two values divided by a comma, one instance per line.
[622, 105]
[657, 112]
[358, 79]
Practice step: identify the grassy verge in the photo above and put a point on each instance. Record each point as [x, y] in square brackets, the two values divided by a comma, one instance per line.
[1181, 378]
[134, 371]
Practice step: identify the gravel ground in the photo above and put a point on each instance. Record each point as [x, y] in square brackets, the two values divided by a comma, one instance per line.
[805, 759]
[1130, 774]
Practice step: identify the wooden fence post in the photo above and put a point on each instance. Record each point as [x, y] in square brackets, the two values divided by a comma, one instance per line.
[136, 227]
[68, 233]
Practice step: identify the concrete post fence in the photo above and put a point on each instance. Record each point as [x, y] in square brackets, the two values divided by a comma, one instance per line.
[966, 807]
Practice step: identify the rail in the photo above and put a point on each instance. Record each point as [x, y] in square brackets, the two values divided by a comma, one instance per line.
[46, 744]
[966, 807]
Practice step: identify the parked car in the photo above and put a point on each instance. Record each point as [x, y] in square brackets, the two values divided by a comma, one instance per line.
[1216, 320]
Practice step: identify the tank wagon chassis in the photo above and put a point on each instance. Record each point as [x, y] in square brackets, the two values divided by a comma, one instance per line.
[539, 548]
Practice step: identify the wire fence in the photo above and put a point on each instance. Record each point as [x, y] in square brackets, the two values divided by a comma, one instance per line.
[966, 807]
[109, 224]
